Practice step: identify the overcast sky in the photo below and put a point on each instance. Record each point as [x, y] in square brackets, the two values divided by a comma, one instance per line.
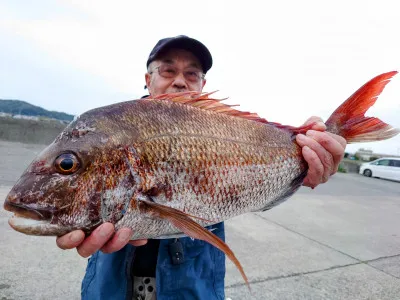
[285, 60]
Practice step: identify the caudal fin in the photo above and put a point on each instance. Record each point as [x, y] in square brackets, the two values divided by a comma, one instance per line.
[349, 121]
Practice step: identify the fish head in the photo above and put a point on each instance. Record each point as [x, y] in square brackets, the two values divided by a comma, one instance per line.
[78, 182]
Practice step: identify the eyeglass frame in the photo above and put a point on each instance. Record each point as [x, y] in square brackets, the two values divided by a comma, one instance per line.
[158, 67]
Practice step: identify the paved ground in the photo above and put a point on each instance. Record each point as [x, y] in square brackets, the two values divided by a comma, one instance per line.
[339, 241]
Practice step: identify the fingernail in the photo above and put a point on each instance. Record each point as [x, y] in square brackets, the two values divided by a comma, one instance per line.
[75, 236]
[310, 133]
[124, 235]
[306, 148]
[301, 137]
[105, 231]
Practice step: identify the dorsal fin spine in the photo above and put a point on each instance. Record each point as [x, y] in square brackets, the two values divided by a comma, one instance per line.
[203, 101]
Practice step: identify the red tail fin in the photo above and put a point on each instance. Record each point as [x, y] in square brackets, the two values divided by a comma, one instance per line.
[349, 121]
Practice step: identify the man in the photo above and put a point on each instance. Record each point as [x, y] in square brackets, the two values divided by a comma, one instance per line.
[178, 268]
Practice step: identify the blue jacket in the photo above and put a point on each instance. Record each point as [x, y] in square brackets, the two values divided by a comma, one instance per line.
[199, 276]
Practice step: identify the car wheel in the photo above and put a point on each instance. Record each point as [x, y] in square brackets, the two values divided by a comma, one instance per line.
[367, 173]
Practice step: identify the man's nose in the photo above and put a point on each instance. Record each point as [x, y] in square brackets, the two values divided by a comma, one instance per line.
[180, 81]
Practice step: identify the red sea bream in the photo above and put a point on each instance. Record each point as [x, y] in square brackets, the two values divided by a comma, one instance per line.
[173, 164]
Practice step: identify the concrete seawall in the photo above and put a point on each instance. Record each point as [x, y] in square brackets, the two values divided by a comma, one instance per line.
[350, 166]
[29, 131]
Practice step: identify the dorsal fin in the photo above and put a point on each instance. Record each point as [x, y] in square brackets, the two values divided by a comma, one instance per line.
[203, 101]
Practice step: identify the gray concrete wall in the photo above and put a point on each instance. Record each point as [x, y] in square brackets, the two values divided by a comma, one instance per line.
[29, 131]
[350, 166]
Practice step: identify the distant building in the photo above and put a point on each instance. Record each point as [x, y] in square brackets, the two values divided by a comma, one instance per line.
[364, 154]
[26, 117]
[368, 155]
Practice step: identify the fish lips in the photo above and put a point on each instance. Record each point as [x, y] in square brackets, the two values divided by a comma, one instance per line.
[29, 218]
[33, 221]
[18, 204]
[29, 212]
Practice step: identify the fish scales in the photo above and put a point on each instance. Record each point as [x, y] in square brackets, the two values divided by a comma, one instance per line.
[212, 172]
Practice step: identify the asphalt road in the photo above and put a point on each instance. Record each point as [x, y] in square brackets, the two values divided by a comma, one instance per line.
[338, 241]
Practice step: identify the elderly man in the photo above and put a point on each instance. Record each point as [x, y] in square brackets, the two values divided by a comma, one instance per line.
[180, 268]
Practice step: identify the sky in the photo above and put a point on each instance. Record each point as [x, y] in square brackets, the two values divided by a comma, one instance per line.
[286, 60]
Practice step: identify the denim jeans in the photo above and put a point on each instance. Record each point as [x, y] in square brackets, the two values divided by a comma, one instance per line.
[200, 275]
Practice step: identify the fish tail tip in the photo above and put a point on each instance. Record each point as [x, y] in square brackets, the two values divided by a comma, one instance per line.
[349, 120]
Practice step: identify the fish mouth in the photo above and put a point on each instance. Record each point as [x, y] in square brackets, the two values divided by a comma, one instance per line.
[34, 221]
[29, 220]
[26, 212]
[27, 226]
[35, 227]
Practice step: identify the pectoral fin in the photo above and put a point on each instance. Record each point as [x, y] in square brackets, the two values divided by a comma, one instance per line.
[184, 223]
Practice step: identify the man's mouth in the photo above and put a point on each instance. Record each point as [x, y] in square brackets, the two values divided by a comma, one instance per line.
[178, 90]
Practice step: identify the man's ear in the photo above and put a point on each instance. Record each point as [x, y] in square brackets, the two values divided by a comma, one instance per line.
[147, 78]
[204, 83]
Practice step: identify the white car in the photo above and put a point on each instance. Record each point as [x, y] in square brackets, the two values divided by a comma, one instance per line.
[386, 167]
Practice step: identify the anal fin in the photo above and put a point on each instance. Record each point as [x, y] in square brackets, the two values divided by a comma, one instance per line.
[183, 222]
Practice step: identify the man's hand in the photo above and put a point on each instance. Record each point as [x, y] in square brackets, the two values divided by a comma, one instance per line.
[323, 152]
[102, 238]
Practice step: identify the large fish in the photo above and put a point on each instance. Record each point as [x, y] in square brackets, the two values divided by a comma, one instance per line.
[173, 164]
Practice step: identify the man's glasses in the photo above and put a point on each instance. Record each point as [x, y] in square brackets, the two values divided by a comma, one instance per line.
[193, 75]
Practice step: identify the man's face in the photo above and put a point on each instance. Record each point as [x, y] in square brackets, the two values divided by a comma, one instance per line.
[175, 71]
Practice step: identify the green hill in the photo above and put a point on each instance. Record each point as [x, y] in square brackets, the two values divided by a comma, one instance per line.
[18, 107]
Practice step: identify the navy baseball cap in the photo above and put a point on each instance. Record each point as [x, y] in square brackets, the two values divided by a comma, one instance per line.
[186, 43]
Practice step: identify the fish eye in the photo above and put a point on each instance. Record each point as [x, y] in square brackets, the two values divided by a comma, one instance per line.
[66, 163]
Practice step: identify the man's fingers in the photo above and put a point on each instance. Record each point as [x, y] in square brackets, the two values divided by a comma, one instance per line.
[103, 238]
[331, 144]
[324, 156]
[70, 240]
[96, 240]
[138, 243]
[322, 150]
[316, 169]
[318, 123]
[118, 241]
[340, 139]
[320, 126]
